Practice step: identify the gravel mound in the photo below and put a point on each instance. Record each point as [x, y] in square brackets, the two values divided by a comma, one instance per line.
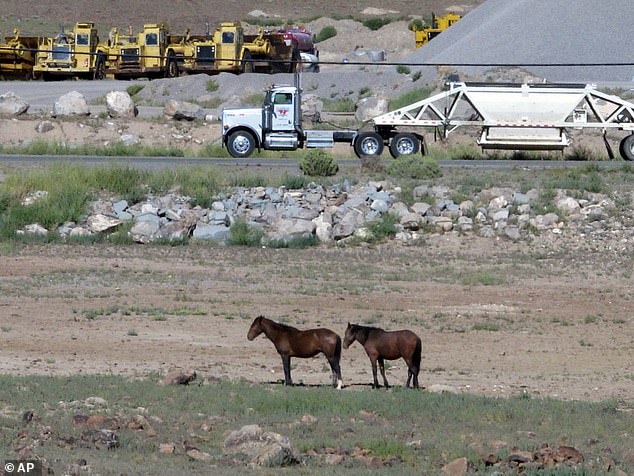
[545, 32]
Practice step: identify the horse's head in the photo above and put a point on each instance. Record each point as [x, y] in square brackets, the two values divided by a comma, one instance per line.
[256, 328]
[349, 336]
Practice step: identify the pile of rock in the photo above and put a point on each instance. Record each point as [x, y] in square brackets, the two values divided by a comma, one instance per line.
[342, 213]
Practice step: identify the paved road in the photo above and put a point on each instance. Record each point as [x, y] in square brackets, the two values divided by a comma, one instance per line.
[156, 163]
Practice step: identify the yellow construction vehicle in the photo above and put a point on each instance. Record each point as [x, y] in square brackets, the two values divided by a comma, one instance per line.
[147, 54]
[17, 56]
[76, 53]
[438, 25]
[265, 52]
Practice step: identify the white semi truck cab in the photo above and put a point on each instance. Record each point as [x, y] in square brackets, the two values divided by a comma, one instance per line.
[277, 125]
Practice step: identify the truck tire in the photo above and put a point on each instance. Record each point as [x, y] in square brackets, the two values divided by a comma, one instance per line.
[368, 144]
[100, 67]
[171, 70]
[241, 144]
[626, 148]
[247, 64]
[404, 144]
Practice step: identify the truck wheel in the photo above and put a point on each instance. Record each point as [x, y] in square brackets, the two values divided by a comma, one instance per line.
[404, 144]
[100, 68]
[247, 64]
[627, 147]
[172, 66]
[241, 144]
[368, 144]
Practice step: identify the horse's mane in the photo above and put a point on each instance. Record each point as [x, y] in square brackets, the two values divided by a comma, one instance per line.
[279, 325]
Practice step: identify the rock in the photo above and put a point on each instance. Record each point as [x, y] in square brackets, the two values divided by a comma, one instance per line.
[512, 233]
[119, 104]
[167, 448]
[197, 455]
[219, 233]
[457, 467]
[98, 401]
[181, 110]
[145, 231]
[101, 223]
[71, 104]
[263, 448]
[13, 105]
[370, 107]
[34, 229]
[44, 127]
[421, 208]
[312, 107]
[288, 229]
[411, 221]
[179, 377]
[568, 205]
[130, 139]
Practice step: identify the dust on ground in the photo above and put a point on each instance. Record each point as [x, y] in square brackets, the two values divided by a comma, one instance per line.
[496, 318]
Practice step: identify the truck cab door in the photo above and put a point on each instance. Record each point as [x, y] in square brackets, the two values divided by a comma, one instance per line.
[82, 50]
[283, 112]
[228, 50]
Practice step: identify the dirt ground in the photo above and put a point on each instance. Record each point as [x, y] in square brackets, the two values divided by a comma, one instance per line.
[495, 318]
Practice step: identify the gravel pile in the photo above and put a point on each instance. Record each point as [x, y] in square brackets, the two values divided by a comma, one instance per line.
[541, 31]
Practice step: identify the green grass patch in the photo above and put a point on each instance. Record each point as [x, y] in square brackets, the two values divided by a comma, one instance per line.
[377, 423]
[325, 33]
[409, 98]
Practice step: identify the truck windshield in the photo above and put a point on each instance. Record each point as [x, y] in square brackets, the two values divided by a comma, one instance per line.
[82, 39]
[151, 39]
[227, 37]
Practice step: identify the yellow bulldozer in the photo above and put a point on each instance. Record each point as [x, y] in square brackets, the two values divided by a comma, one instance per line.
[76, 53]
[438, 25]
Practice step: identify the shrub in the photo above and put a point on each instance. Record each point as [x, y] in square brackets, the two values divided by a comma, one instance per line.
[134, 89]
[318, 163]
[402, 69]
[416, 24]
[409, 98]
[384, 227]
[376, 23]
[243, 234]
[212, 85]
[410, 166]
[325, 33]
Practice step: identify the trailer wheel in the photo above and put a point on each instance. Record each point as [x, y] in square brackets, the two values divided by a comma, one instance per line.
[627, 147]
[100, 67]
[241, 144]
[172, 66]
[368, 144]
[247, 63]
[404, 144]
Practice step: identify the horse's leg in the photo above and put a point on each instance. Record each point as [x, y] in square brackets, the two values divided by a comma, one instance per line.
[376, 381]
[337, 381]
[382, 366]
[286, 362]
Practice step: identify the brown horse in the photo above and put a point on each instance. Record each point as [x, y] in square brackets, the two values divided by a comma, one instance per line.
[290, 342]
[380, 345]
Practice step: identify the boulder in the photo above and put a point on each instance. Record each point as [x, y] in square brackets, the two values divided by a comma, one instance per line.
[312, 107]
[370, 107]
[44, 126]
[12, 105]
[71, 104]
[262, 448]
[119, 104]
[182, 110]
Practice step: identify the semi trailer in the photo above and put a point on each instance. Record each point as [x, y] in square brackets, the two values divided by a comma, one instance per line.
[508, 116]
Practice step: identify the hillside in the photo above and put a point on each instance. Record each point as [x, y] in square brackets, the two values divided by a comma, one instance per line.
[46, 16]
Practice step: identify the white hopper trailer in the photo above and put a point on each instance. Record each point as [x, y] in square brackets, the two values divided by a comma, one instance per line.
[509, 116]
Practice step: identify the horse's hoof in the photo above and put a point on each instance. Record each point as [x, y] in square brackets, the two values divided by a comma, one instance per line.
[339, 384]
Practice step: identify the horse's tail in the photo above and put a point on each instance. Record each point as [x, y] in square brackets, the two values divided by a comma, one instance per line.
[418, 351]
[338, 348]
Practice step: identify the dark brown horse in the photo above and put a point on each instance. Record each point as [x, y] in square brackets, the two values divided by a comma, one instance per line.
[290, 342]
[380, 345]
